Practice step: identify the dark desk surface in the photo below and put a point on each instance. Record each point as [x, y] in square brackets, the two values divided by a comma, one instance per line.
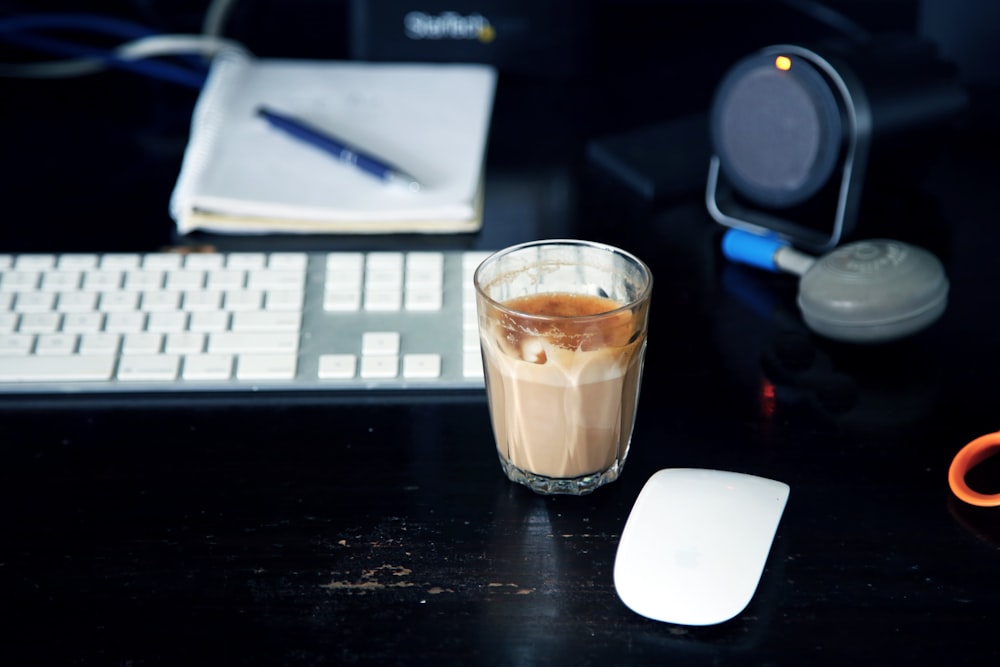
[380, 533]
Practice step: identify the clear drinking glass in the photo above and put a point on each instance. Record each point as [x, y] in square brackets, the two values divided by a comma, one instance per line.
[562, 327]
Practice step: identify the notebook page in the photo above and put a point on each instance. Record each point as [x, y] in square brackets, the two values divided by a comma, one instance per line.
[430, 120]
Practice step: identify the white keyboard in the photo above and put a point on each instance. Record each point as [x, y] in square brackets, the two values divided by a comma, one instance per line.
[238, 321]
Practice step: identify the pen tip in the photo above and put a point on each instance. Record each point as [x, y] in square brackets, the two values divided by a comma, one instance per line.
[406, 182]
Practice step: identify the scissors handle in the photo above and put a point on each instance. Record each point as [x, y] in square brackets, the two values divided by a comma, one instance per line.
[968, 458]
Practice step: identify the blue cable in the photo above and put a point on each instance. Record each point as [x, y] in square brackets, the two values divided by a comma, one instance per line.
[18, 30]
[88, 22]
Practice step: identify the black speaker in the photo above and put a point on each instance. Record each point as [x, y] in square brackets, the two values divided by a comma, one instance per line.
[794, 132]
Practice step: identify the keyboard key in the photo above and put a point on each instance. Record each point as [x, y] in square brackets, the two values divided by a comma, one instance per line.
[121, 261]
[265, 320]
[470, 339]
[226, 279]
[380, 367]
[288, 261]
[97, 344]
[82, 322]
[148, 367]
[425, 269]
[265, 366]
[344, 269]
[60, 280]
[39, 323]
[470, 316]
[384, 266]
[204, 261]
[19, 280]
[77, 262]
[101, 280]
[143, 279]
[55, 344]
[383, 299]
[142, 343]
[128, 322]
[380, 343]
[384, 274]
[207, 366]
[35, 262]
[202, 300]
[15, 345]
[253, 342]
[275, 279]
[159, 300]
[342, 299]
[243, 299]
[166, 261]
[167, 321]
[208, 321]
[283, 299]
[472, 364]
[76, 302]
[421, 366]
[57, 369]
[246, 260]
[184, 342]
[423, 298]
[185, 279]
[8, 322]
[337, 366]
[34, 302]
[112, 301]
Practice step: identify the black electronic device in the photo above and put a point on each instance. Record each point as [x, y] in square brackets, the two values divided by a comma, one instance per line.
[516, 36]
[798, 132]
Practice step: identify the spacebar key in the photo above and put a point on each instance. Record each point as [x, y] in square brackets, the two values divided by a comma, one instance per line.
[59, 368]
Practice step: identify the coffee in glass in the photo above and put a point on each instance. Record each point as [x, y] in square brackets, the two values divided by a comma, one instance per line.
[562, 328]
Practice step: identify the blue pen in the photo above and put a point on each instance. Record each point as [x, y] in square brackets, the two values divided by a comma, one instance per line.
[339, 149]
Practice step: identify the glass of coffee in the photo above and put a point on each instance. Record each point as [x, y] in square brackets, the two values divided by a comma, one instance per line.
[562, 327]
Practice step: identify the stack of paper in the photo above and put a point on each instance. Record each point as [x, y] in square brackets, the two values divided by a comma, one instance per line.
[240, 175]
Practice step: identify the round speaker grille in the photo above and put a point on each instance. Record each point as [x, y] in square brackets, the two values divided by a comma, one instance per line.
[776, 128]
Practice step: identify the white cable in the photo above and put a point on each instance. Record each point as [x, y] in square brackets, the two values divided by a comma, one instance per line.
[166, 45]
[215, 17]
[790, 260]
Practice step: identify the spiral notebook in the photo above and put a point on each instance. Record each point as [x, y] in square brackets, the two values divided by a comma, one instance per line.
[241, 176]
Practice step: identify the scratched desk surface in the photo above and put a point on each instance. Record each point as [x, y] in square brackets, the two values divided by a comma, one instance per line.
[384, 533]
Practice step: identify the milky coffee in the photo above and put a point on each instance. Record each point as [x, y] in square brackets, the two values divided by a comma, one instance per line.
[563, 387]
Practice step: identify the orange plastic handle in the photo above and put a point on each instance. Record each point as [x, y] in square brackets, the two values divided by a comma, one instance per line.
[968, 458]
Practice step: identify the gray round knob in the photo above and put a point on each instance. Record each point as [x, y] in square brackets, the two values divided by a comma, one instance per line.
[873, 291]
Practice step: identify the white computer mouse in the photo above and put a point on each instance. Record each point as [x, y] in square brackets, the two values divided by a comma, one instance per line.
[694, 545]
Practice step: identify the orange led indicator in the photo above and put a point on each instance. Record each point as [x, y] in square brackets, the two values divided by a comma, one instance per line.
[784, 63]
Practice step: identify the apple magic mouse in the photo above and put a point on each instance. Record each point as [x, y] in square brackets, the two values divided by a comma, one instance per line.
[695, 543]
